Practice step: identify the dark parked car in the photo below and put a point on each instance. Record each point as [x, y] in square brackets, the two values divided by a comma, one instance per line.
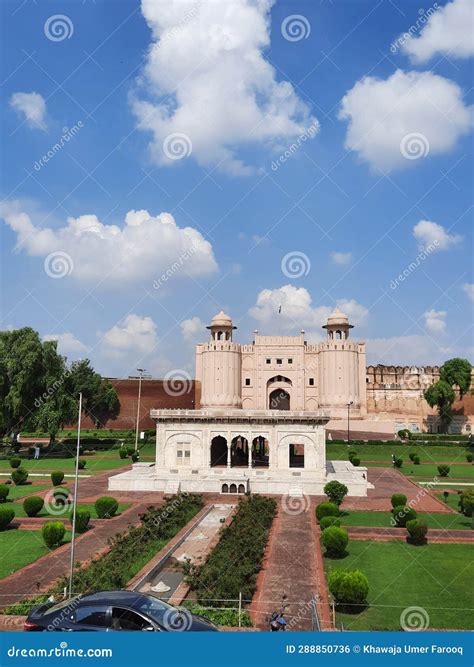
[110, 611]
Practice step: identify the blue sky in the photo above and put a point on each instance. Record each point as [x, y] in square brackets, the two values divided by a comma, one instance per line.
[183, 110]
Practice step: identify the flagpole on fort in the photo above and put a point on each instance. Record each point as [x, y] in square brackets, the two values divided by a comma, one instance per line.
[74, 500]
[141, 371]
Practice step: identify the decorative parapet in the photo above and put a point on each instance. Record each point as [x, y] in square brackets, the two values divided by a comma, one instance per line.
[238, 416]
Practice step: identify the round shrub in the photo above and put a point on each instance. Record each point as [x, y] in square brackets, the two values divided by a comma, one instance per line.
[468, 502]
[417, 531]
[412, 456]
[15, 462]
[57, 477]
[336, 492]
[123, 453]
[328, 521]
[398, 462]
[53, 533]
[81, 464]
[135, 457]
[443, 470]
[6, 516]
[401, 515]
[355, 460]
[33, 505]
[398, 499]
[348, 586]
[404, 433]
[352, 453]
[416, 460]
[61, 496]
[4, 491]
[469, 458]
[82, 520]
[326, 509]
[19, 476]
[335, 540]
[130, 450]
[106, 507]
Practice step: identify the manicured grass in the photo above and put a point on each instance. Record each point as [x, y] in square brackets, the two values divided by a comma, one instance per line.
[94, 464]
[24, 490]
[382, 519]
[453, 500]
[383, 453]
[20, 512]
[456, 471]
[435, 577]
[21, 547]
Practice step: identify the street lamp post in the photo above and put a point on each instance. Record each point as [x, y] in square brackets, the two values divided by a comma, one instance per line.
[141, 371]
[349, 422]
[74, 500]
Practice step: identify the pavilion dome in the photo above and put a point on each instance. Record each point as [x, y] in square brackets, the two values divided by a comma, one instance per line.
[221, 320]
[337, 318]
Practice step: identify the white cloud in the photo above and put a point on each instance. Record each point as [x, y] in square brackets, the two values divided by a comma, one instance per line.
[406, 350]
[206, 78]
[68, 344]
[469, 289]
[435, 320]
[298, 312]
[342, 258]
[411, 114]
[145, 248]
[134, 335]
[430, 234]
[193, 329]
[32, 106]
[448, 32]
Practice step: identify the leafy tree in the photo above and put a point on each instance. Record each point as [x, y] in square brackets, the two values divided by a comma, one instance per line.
[457, 372]
[441, 395]
[100, 400]
[336, 492]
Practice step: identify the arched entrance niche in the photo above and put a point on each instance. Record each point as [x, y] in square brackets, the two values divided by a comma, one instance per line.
[260, 452]
[218, 451]
[279, 399]
[239, 452]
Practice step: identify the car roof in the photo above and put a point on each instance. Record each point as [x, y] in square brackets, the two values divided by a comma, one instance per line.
[111, 597]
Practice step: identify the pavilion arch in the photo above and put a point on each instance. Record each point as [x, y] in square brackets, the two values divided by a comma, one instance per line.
[233, 488]
[260, 452]
[239, 451]
[278, 392]
[182, 440]
[218, 451]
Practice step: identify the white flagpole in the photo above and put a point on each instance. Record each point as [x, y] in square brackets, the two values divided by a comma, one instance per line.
[74, 500]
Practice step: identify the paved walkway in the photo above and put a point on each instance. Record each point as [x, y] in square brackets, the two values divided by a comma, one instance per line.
[291, 567]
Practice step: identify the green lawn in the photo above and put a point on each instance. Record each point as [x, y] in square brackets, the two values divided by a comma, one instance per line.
[383, 453]
[94, 464]
[442, 521]
[21, 547]
[453, 500]
[20, 512]
[435, 577]
[24, 490]
[456, 471]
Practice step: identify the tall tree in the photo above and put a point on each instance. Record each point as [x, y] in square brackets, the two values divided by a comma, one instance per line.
[100, 399]
[457, 372]
[441, 395]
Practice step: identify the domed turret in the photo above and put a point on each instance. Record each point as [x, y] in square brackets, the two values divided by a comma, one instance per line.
[221, 366]
[221, 327]
[338, 326]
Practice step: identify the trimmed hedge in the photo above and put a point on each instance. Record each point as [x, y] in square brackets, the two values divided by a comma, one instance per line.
[401, 516]
[53, 533]
[106, 507]
[82, 520]
[33, 505]
[326, 509]
[349, 587]
[336, 492]
[355, 460]
[57, 477]
[398, 499]
[417, 531]
[328, 521]
[398, 462]
[19, 476]
[15, 462]
[81, 464]
[443, 470]
[6, 516]
[61, 496]
[335, 540]
[4, 491]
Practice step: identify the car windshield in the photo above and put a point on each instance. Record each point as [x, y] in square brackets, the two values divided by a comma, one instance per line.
[152, 607]
[72, 602]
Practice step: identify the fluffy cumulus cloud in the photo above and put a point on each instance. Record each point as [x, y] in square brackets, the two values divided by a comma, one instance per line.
[207, 90]
[289, 309]
[469, 289]
[404, 119]
[432, 235]
[68, 344]
[447, 32]
[31, 107]
[192, 329]
[134, 335]
[435, 320]
[146, 247]
[342, 258]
